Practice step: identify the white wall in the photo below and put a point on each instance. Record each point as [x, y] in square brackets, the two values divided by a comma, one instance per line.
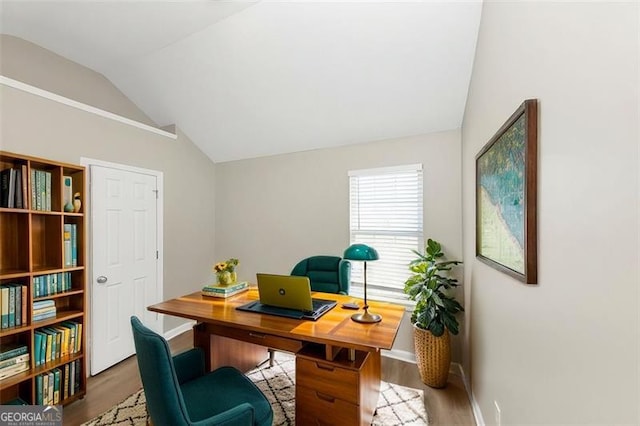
[271, 212]
[564, 351]
[40, 127]
[37, 66]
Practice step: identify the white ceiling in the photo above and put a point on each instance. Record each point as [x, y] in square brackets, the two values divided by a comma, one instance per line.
[246, 79]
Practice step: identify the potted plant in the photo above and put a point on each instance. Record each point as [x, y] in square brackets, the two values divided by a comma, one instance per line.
[434, 316]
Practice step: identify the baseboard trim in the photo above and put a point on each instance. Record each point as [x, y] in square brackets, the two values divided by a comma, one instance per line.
[398, 354]
[179, 330]
[457, 369]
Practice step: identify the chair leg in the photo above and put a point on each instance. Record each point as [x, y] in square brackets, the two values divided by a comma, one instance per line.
[272, 356]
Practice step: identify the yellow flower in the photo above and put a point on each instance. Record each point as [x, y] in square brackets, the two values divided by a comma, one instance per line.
[219, 267]
[227, 266]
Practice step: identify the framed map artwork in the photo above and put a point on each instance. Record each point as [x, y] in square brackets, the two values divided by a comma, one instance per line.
[506, 196]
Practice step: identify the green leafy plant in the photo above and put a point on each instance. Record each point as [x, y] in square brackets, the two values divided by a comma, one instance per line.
[428, 286]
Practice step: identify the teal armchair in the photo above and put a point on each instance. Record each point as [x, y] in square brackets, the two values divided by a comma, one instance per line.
[327, 274]
[180, 392]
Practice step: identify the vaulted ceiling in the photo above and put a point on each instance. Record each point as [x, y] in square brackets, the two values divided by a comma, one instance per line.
[246, 79]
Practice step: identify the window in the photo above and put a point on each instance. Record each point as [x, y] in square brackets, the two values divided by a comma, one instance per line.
[386, 213]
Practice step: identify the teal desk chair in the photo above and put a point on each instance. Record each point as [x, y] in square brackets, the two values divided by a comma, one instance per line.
[327, 274]
[179, 391]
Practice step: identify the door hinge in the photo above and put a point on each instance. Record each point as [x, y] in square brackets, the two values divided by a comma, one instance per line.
[157, 254]
[156, 191]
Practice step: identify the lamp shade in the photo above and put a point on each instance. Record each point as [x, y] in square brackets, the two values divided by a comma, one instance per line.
[360, 252]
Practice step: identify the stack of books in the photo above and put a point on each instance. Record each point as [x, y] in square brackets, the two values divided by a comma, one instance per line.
[14, 359]
[43, 309]
[224, 291]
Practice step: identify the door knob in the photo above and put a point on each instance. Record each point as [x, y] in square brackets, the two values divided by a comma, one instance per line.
[101, 279]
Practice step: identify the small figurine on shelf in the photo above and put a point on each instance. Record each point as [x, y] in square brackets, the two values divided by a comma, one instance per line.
[68, 207]
[76, 202]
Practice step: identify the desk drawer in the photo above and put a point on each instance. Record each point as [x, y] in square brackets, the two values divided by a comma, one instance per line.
[328, 379]
[268, 340]
[314, 408]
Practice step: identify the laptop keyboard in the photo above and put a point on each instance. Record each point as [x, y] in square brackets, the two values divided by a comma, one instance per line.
[319, 305]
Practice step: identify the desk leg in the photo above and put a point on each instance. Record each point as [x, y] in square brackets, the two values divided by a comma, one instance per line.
[201, 339]
[370, 377]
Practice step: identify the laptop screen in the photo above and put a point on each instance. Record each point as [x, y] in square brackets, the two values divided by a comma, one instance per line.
[285, 291]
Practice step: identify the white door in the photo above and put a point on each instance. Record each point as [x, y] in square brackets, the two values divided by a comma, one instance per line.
[125, 255]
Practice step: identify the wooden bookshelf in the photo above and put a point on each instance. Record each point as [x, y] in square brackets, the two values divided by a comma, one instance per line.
[31, 246]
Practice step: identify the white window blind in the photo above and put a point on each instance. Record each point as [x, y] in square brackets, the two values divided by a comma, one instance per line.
[386, 213]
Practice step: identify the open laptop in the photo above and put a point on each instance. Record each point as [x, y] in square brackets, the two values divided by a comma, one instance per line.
[287, 296]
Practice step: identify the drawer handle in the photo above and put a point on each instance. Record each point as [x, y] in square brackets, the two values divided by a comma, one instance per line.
[324, 367]
[257, 335]
[325, 397]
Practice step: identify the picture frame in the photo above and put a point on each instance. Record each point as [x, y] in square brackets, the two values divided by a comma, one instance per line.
[506, 196]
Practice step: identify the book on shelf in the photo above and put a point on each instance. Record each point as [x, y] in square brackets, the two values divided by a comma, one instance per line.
[74, 244]
[15, 360]
[34, 198]
[56, 385]
[39, 304]
[14, 369]
[16, 401]
[12, 306]
[8, 188]
[65, 389]
[11, 350]
[23, 308]
[4, 307]
[37, 347]
[47, 191]
[39, 393]
[25, 186]
[4, 187]
[50, 391]
[18, 189]
[67, 244]
[72, 378]
[44, 314]
[78, 378]
[18, 303]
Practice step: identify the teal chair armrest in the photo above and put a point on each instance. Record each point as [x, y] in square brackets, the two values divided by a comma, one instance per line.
[189, 365]
[344, 275]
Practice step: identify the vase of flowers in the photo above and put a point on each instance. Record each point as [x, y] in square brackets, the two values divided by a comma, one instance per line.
[226, 271]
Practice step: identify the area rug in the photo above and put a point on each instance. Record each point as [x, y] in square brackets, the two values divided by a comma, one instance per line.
[397, 405]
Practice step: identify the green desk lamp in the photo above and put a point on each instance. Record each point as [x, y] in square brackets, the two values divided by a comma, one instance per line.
[363, 252]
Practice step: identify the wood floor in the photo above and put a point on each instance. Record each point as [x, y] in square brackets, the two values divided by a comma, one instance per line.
[448, 406]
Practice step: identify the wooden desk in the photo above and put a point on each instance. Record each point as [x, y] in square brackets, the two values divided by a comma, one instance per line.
[337, 359]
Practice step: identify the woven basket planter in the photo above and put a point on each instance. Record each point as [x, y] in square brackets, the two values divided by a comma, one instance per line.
[433, 356]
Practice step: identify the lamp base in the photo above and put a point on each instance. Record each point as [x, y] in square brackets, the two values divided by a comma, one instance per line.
[366, 317]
